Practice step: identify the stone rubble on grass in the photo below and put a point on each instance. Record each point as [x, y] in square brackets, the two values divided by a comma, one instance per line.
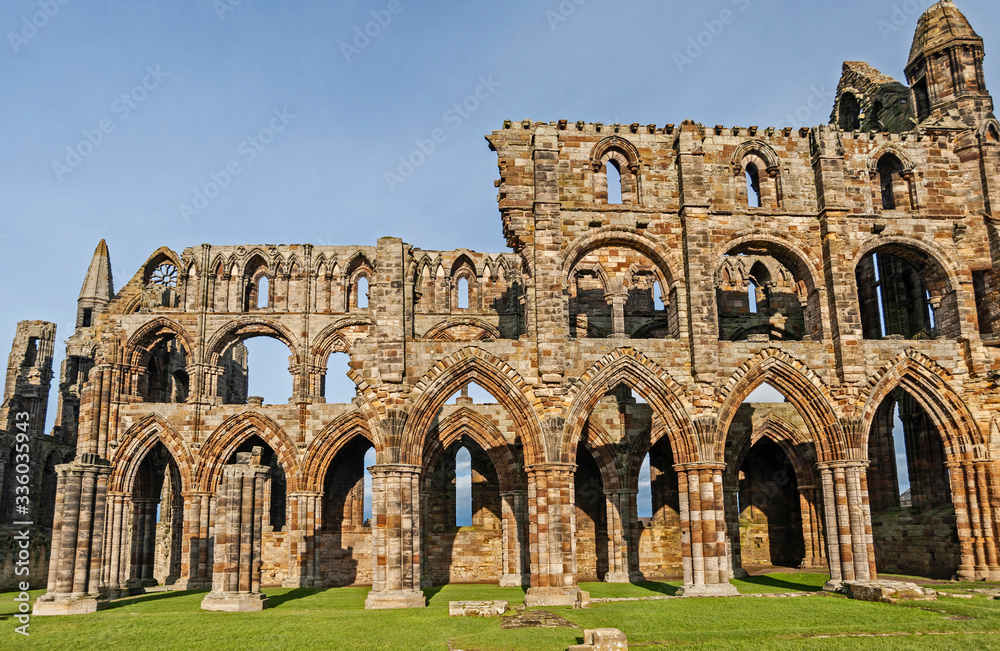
[886, 591]
[602, 639]
[477, 608]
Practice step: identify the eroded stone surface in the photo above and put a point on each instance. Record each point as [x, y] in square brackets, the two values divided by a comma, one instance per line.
[886, 591]
[477, 608]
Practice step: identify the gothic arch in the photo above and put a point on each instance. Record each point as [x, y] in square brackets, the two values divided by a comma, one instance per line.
[801, 261]
[138, 344]
[160, 256]
[468, 422]
[245, 328]
[798, 447]
[473, 364]
[221, 444]
[612, 236]
[439, 331]
[331, 339]
[630, 367]
[928, 383]
[328, 443]
[137, 442]
[606, 453]
[798, 383]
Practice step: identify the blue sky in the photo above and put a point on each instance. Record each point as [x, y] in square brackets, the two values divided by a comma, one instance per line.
[173, 92]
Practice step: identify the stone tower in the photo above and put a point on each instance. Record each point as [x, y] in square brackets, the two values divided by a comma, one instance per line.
[29, 373]
[945, 70]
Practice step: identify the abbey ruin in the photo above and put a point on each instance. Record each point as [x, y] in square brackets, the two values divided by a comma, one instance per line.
[853, 266]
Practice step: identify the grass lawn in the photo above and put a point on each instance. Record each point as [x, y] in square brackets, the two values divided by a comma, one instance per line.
[336, 619]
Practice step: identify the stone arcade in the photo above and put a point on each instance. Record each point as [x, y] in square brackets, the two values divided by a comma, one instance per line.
[853, 266]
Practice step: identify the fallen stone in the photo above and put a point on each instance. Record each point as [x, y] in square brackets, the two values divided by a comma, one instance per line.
[535, 619]
[477, 608]
[602, 639]
[886, 591]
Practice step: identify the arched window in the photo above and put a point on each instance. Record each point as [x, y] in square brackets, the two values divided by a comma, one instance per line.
[875, 117]
[644, 501]
[657, 296]
[922, 100]
[850, 113]
[889, 174]
[752, 297]
[362, 296]
[463, 488]
[895, 298]
[463, 293]
[369, 462]
[614, 183]
[753, 186]
[337, 387]
[267, 373]
[263, 292]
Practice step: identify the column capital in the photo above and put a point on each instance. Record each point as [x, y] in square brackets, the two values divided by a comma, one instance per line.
[845, 464]
[305, 494]
[550, 467]
[395, 469]
[700, 465]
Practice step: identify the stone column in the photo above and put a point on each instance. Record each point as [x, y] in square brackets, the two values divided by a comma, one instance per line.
[812, 536]
[732, 506]
[305, 511]
[848, 522]
[77, 539]
[617, 302]
[238, 533]
[623, 534]
[703, 530]
[514, 525]
[552, 523]
[143, 545]
[196, 542]
[116, 545]
[971, 496]
[396, 538]
[985, 487]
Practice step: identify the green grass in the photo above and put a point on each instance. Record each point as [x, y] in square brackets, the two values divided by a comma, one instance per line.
[336, 619]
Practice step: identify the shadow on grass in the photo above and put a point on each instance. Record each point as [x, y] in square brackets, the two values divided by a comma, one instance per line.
[432, 592]
[774, 582]
[274, 601]
[662, 588]
[149, 598]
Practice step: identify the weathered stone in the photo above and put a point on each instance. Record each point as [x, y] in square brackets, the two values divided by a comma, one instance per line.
[886, 591]
[477, 608]
[602, 639]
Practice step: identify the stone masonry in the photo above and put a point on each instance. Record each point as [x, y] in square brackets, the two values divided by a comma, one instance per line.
[853, 266]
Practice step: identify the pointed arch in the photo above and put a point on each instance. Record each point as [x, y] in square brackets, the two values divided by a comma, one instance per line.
[332, 340]
[662, 260]
[137, 442]
[245, 328]
[479, 428]
[473, 364]
[797, 446]
[489, 332]
[606, 453]
[328, 443]
[800, 386]
[630, 367]
[221, 444]
[148, 334]
[929, 384]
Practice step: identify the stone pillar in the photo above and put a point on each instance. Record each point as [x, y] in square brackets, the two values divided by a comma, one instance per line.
[974, 518]
[196, 542]
[552, 523]
[848, 522]
[623, 537]
[703, 530]
[143, 547]
[812, 536]
[396, 538]
[77, 539]
[988, 517]
[514, 525]
[617, 302]
[732, 506]
[115, 571]
[305, 511]
[238, 529]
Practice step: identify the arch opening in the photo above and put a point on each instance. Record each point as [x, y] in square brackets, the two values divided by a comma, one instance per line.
[614, 175]
[763, 295]
[345, 533]
[909, 489]
[905, 294]
[850, 113]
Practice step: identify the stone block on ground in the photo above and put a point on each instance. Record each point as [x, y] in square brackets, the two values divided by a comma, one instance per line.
[477, 608]
[886, 591]
[602, 639]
